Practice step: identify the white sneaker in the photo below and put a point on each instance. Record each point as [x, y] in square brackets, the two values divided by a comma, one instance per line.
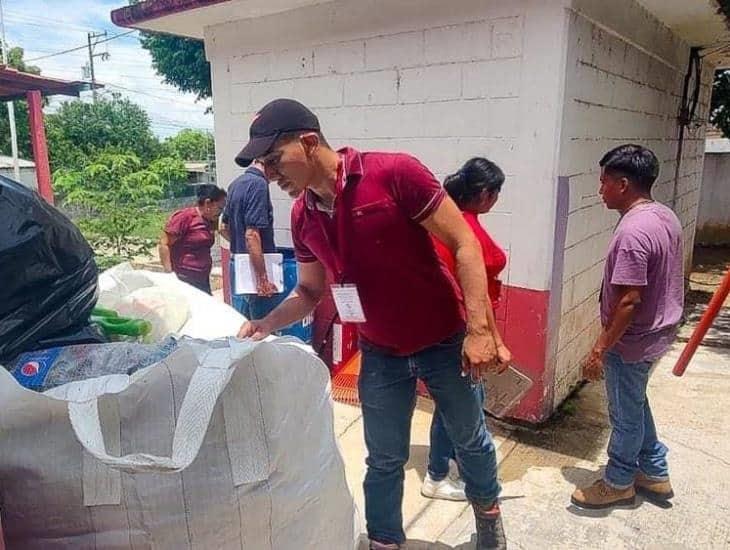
[446, 489]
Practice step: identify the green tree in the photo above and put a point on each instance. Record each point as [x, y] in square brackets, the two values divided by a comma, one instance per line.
[172, 174]
[180, 61]
[720, 106]
[116, 192]
[79, 131]
[15, 60]
[190, 145]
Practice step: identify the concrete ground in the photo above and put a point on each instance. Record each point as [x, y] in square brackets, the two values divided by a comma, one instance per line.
[540, 468]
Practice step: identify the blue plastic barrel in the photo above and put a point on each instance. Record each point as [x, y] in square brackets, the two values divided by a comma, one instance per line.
[301, 329]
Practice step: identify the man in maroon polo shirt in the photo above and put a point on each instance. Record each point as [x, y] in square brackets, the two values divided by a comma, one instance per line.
[365, 218]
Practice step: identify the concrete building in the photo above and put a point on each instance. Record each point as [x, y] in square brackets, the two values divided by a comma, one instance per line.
[713, 219]
[542, 87]
[27, 171]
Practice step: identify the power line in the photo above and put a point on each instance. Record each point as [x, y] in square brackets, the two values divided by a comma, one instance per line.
[27, 17]
[191, 108]
[42, 25]
[78, 47]
[148, 94]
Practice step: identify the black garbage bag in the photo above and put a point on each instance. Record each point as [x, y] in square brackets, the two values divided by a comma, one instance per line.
[48, 277]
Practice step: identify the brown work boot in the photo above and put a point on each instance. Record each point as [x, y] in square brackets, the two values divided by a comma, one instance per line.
[601, 495]
[490, 532]
[653, 489]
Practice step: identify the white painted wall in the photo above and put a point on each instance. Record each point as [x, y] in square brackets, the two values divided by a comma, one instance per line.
[27, 176]
[443, 81]
[623, 84]
[713, 220]
[543, 88]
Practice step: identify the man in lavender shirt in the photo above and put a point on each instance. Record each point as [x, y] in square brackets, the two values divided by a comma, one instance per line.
[641, 305]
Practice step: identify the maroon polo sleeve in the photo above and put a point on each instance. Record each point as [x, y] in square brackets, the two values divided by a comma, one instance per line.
[415, 188]
[178, 223]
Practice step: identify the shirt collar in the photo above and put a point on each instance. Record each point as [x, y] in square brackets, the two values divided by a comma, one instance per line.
[351, 164]
[255, 170]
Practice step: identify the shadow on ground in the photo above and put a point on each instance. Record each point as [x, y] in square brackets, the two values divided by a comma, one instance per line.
[578, 433]
[424, 545]
[415, 544]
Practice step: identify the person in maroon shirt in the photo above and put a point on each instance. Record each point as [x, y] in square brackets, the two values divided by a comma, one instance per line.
[189, 235]
[475, 189]
[366, 219]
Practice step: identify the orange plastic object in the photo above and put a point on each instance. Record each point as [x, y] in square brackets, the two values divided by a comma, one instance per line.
[344, 382]
[713, 308]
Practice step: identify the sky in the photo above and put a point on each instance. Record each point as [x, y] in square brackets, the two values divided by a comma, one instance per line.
[44, 27]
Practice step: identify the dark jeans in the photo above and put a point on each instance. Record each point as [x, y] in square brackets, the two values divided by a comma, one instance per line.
[200, 284]
[441, 449]
[387, 387]
[634, 444]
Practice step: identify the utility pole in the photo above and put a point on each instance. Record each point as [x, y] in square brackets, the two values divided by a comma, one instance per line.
[92, 39]
[10, 104]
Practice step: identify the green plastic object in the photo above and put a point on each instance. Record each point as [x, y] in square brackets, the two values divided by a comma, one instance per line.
[102, 312]
[115, 326]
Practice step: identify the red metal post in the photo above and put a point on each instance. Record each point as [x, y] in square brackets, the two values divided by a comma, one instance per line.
[40, 147]
[226, 265]
[713, 308]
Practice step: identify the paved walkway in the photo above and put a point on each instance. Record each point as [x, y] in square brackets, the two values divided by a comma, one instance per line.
[539, 470]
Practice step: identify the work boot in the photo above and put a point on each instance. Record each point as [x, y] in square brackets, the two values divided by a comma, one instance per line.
[601, 496]
[490, 532]
[652, 489]
[445, 489]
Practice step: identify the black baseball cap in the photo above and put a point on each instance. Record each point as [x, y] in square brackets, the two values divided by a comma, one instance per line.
[274, 119]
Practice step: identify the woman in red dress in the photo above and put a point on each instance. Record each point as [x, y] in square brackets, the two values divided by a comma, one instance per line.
[475, 189]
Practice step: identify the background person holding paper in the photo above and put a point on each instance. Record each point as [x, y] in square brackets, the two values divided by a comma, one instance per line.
[475, 190]
[365, 218]
[189, 235]
[248, 224]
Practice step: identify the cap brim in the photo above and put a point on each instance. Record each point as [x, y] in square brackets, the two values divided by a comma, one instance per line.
[255, 148]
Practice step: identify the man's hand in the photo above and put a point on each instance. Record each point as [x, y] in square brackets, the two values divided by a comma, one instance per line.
[266, 288]
[593, 369]
[479, 354]
[504, 358]
[256, 330]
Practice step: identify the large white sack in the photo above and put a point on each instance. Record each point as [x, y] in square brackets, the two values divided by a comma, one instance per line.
[225, 444]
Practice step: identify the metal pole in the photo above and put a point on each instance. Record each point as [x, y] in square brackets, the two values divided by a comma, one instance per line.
[10, 104]
[91, 66]
[39, 144]
[13, 140]
[713, 308]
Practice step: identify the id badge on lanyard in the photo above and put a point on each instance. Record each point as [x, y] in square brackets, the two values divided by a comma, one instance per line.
[345, 294]
[347, 302]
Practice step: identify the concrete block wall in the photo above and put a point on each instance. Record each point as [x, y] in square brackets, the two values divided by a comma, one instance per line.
[624, 76]
[713, 221]
[443, 82]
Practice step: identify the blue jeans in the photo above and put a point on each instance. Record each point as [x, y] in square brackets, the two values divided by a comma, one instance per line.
[387, 386]
[441, 449]
[633, 445]
[253, 306]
